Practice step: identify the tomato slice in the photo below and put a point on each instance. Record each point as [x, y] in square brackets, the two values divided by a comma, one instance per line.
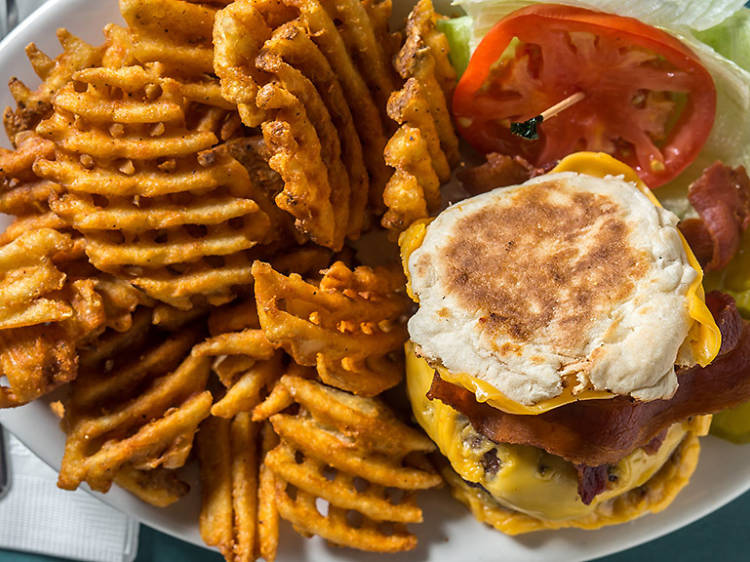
[648, 100]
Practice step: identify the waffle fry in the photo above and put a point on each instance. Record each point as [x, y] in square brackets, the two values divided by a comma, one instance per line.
[425, 149]
[245, 362]
[298, 44]
[52, 304]
[160, 487]
[287, 51]
[30, 280]
[349, 325]
[175, 33]
[35, 361]
[234, 57]
[173, 222]
[297, 157]
[21, 191]
[369, 121]
[54, 312]
[352, 453]
[236, 514]
[369, 55]
[413, 192]
[34, 105]
[379, 12]
[424, 57]
[134, 402]
[243, 359]
[182, 51]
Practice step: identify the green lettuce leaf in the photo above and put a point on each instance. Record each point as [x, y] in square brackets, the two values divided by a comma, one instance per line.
[731, 38]
[458, 32]
[686, 14]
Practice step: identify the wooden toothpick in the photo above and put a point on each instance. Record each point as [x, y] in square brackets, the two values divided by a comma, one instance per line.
[528, 129]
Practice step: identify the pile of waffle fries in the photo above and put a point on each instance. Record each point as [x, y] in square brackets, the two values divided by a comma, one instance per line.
[184, 268]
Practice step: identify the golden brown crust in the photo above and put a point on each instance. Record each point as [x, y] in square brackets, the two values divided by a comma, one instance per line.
[523, 261]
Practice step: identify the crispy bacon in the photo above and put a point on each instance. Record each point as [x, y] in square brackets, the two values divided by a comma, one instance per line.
[592, 481]
[598, 432]
[722, 198]
[500, 170]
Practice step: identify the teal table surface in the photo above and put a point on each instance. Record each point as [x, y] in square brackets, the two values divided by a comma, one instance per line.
[722, 536]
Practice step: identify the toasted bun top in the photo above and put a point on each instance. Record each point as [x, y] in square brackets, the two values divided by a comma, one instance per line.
[567, 279]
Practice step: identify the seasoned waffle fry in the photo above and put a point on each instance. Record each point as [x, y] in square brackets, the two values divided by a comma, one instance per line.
[258, 39]
[236, 516]
[30, 280]
[379, 12]
[296, 148]
[245, 361]
[350, 452]
[129, 407]
[51, 305]
[35, 360]
[21, 191]
[287, 51]
[344, 325]
[175, 33]
[159, 487]
[425, 148]
[234, 57]
[410, 106]
[370, 125]
[184, 55]
[413, 192]
[358, 31]
[424, 57]
[330, 147]
[33, 106]
[151, 209]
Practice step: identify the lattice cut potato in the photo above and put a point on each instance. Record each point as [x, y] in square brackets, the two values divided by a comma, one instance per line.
[34, 105]
[137, 403]
[316, 77]
[425, 148]
[425, 57]
[176, 33]
[36, 352]
[245, 362]
[53, 301]
[349, 325]
[238, 507]
[353, 455]
[158, 203]
[22, 192]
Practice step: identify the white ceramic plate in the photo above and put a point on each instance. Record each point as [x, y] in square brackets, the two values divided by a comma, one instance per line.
[449, 532]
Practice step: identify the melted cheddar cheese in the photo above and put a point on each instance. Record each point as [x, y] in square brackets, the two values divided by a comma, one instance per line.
[704, 337]
[527, 479]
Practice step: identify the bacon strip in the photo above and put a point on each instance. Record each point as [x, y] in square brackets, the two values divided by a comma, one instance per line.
[599, 432]
[592, 481]
[722, 198]
[500, 170]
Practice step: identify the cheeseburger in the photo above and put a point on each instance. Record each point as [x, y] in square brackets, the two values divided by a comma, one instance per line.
[557, 355]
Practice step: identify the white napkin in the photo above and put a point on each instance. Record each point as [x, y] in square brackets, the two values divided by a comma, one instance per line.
[36, 516]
